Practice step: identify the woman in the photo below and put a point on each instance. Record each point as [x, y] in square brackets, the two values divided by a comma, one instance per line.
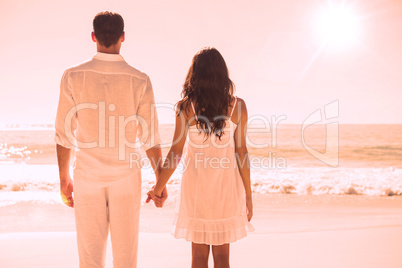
[215, 204]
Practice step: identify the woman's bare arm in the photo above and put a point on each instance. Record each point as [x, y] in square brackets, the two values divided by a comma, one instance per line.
[173, 157]
[241, 153]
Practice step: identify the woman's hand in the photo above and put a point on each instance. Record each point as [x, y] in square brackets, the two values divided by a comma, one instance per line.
[249, 206]
[159, 199]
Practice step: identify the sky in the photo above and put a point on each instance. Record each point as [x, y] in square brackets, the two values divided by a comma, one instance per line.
[284, 57]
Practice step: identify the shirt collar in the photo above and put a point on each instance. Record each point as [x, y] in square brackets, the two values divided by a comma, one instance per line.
[108, 57]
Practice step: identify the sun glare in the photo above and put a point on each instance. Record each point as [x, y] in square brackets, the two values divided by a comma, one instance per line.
[337, 26]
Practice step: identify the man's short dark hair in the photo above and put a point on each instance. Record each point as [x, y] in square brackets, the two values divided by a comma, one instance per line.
[108, 28]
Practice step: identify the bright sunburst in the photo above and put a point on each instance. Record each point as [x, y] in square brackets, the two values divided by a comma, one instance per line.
[337, 26]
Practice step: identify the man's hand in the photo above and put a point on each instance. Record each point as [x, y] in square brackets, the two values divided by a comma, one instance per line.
[158, 200]
[66, 184]
[66, 192]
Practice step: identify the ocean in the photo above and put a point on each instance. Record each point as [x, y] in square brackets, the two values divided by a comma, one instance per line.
[354, 159]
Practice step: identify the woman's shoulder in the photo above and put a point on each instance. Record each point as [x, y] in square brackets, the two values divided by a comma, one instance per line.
[238, 100]
[239, 110]
[239, 103]
[184, 106]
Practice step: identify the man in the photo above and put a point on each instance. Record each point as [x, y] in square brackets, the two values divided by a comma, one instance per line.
[104, 105]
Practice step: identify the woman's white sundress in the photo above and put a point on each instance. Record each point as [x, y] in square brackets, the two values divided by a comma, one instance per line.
[211, 207]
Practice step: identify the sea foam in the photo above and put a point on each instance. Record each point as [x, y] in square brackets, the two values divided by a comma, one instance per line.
[40, 183]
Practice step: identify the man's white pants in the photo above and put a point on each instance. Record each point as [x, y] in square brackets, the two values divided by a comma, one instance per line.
[96, 208]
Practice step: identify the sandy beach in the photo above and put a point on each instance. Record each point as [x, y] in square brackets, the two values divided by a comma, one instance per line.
[291, 231]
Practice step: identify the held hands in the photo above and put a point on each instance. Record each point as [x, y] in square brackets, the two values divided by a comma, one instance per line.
[158, 198]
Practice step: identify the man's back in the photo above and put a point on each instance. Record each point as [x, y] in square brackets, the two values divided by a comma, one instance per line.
[103, 98]
[100, 103]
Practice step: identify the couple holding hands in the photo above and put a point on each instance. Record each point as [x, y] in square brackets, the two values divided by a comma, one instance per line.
[214, 206]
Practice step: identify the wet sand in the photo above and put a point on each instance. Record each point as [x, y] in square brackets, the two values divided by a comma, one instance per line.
[291, 231]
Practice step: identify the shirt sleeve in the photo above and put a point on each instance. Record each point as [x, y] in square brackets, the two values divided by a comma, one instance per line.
[66, 117]
[148, 126]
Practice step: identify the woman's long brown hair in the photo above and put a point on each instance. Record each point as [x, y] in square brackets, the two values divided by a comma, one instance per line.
[210, 89]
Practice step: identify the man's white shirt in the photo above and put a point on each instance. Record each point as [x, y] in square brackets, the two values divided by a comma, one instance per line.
[106, 112]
